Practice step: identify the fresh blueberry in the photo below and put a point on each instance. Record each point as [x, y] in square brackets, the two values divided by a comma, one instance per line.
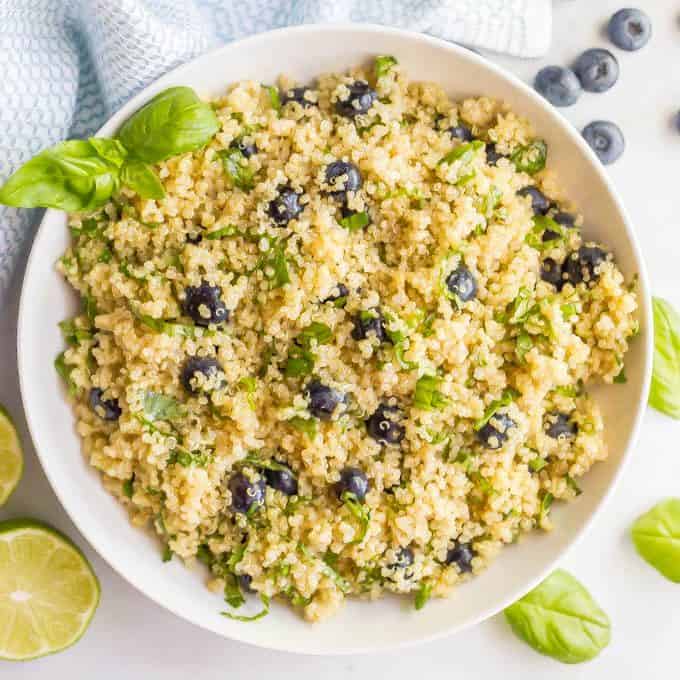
[244, 582]
[558, 85]
[194, 238]
[358, 101]
[551, 272]
[204, 304]
[323, 400]
[630, 29]
[597, 69]
[299, 95]
[565, 219]
[384, 426]
[540, 203]
[461, 132]
[495, 433]
[195, 366]
[245, 494]
[342, 177]
[460, 554]
[492, 156]
[106, 409]
[369, 323]
[342, 292]
[248, 149]
[582, 266]
[558, 425]
[354, 481]
[282, 480]
[605, 139]
[403, 558]
[462, 283]
[285, 207]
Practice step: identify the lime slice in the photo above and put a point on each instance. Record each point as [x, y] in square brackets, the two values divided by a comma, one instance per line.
[11, 458]
[48, 591]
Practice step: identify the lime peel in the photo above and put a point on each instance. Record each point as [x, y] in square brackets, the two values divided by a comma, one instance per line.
[11, 457]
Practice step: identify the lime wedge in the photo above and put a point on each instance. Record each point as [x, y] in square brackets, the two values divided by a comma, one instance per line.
[11, 458]
[48, 591]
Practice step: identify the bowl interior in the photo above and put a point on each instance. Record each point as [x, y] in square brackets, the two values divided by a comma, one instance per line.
[304, 53]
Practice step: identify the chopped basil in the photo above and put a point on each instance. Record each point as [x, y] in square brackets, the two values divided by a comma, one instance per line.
[315, 331]
[383, 64]
[300, 362]
[255, 617]
[161, 407]
[534, 237]
[509, 395]
[544, 510]
[274, 264]
[463, 152]
[621, 378]
[237, 167]
[355, 221]
[537, 464]
[73, 335]
[306, 425]
[422, 595]
[229, 230]
[249, 386]
[361, 511]
[523, 344]
[274, 97]
[90, 307]
[167, 553]
[522, 307]
[573, 485]
[128, 486]
[427, 395]
[530, 158]
[64, 371]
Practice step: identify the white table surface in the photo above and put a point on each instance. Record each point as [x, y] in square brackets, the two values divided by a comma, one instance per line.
[131, 637]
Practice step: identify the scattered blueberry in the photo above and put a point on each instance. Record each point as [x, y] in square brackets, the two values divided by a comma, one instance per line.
[551, 272]
[403, 558]
[540, 203]
[559, 425]
[342, 292]
[605, 139]
[384, 426]
[204, 304]
[495, 433]
[354, 481]
[285, 207]
[244, 582]
[558, 85]
[461, 132]
[106, 409]
[248, 149]
[282, 480]
[597, 69]
[245, 493]
[194, 238]
[351, 179]
[323, 400]
[369, 323]
[492, 156]
[630, 29]
[359, 100]
[565, 219]
[582, 265]
[461, 282]
[194, 366]
[460, 554]
[297, 94]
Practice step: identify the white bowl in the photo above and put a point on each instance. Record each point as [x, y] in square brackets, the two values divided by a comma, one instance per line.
[305, 52]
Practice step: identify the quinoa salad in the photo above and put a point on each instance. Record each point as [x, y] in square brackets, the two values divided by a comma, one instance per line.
[348, 351]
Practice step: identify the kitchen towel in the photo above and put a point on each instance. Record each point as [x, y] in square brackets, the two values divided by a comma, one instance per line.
[67, 65]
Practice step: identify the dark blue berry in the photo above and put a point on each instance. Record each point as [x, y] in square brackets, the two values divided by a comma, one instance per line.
[245, 493]
[384, 426]
[248, 149]
[282, 480]
[285, 207]
[551, 272]
[194, 366]
[358, 101]
[492, 156]
[540, 203]
[460, 554]
[297, 94]
[194, 238]
[565, 219]
[354, 481]
[323, 400]
[403, 558]
[204, 304]
[582, 266]
[106, 409]
[351, 179]
[495, 433]
[559, 425]
[558, 85]
[370, 323]
[342, 292]
[461, 282]
[630, 29]
[605, 139]
[597, 70]
[244, 582]
[461, 132]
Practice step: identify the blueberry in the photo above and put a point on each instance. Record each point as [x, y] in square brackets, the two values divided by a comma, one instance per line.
[106, 409]
[297, 94]
[370, 323]
[605, 139]
[285, 207]
[460, 554]
[282, 480]
[565, 219]
[245, 494]
[558, 85]
[403, 558]
[384, 426]
[540, 203]
[354, 481]
[551, 272]
[342, 177]
[492, 156]
[358, 101]
[194, 238]
[495, 433]
[597, 69]
[244, 583]
[630, 29]
[197, 370]
[582, 266]
[558, 425]
[462, 283]
[204, 304]
[342, 292]
[248, 149]
[323, 400]
[461, 132]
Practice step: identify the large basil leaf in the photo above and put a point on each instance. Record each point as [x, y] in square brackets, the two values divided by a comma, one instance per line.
[560, 619]
[141, 178]
[664, 393]
[656, 536]
[70, 176]
[173, 122]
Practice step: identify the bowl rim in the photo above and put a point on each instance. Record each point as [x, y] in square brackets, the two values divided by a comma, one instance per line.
[644, 300]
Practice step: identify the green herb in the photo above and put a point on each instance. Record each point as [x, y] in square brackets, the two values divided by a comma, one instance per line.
[355, 221]
[560, 619]
[128, 486]
[255, 617]
[229, 230]
[274, 264]
[546, 504]
[236, 166]
[204, 555]
[621, 378]
[569, 390]
[109, 149]
[568, 311]
[573, 485]
[656, 536]
[294, 502]
[360, 511]
[300, 362]
[267, 355]
[174, 122]
[161, 407]
[73, 335]
[537, 464]
[306, 425]
[523, 344]
[664, 394]
[252, 459]
[124, 268]
[167, 553]
[509, 395]
[105, 256]
[534, 237]
[319, 332]
[168, 327]
[383, 64]
[491, 201]
[427, 395]
[425, 327]
[422, 595]
[530, 158]
[232, 591]
[463, 152]
[188, 458]
[522, 307]
[64, 371]
[274, 97]
[142, 179]
[249, 386]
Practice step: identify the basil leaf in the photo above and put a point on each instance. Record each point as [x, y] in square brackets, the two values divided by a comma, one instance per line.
[175, 121]
[506, 399]
[523, 344]
[109, 149]
[128, 486]
[274, 264]
[560, 619]
[530, 158]
[306, 425]
[427, 395]
[70, 176]
[315, 331]
[463, 152]
[141, 178]
[355, 221]
[274, 97]
[300, 362]
[229, 230]
[534, 237]
[656, 536]
[261, 614]
[236, 166]
[383, 64]
[422, 595]
[161, 407]
[360, 511]
[664, 394]
[64, 372]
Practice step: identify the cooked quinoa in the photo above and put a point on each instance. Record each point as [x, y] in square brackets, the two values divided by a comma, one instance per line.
[349, 351]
